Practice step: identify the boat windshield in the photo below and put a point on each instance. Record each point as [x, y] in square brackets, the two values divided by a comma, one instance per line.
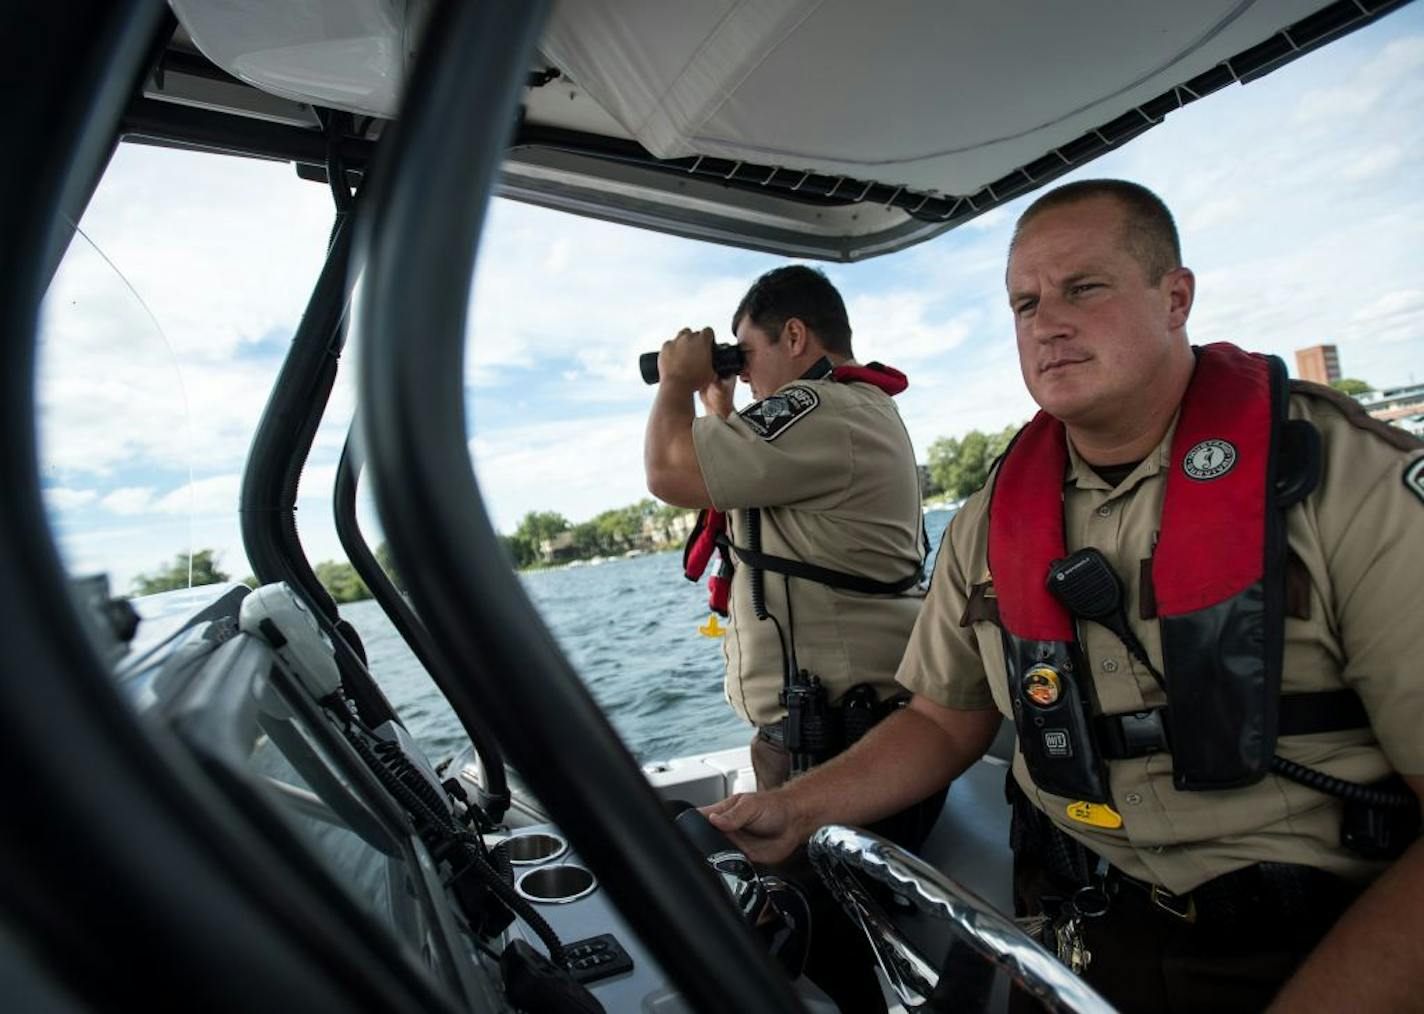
[117, 431]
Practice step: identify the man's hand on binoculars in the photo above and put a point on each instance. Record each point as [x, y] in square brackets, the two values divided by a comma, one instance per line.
[717, 396]
[686, 361]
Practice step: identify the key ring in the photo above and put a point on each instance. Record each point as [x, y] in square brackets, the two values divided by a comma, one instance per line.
[1090, 901]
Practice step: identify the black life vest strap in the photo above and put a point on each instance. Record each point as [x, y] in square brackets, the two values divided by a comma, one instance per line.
[822, 575]
[1121, 737]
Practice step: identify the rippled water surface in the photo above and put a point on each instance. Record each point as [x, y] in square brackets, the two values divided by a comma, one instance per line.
[630, 629]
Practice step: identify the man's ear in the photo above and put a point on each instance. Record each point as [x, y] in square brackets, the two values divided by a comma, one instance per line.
[794, 331]
[1181, 291]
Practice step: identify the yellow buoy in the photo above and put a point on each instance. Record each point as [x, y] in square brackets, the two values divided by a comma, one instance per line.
[712, 628]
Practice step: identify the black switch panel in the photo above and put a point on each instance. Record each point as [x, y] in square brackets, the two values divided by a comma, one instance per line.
[595, 958]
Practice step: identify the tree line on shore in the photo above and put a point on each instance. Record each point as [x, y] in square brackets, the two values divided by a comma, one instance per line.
[338, 577]
[646, 524]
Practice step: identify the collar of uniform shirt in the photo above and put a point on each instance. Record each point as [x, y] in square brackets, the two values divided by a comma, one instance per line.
[1085, 476]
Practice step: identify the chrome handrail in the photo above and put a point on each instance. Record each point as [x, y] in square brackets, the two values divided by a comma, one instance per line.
[834, 848]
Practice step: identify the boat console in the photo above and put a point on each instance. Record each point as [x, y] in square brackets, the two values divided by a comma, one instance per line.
[248, 681]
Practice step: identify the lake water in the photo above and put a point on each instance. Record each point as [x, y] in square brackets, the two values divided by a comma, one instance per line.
[630, 629]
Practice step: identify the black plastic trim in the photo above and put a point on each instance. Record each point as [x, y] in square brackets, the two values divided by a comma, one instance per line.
[268, 502]
[267, 507]
[348, 529]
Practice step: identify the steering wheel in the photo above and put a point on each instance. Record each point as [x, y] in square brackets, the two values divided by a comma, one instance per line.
[774, 908]
[841, 855]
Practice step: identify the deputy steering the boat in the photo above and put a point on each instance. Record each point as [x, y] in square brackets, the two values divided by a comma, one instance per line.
[817, 483]
[1194, 587]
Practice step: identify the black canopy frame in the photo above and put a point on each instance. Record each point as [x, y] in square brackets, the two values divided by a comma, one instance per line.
[427, 198]
[117, 852]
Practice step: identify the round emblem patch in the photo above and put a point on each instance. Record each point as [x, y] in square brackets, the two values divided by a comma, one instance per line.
[1041, 685]
[1210, 459]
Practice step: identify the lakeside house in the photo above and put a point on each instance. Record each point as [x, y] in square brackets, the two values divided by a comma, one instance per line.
[663, 530]
[1401, 406]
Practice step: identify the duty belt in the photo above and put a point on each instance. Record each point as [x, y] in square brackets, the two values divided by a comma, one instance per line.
[1264, 894]
[775, 732]
[1139, 733]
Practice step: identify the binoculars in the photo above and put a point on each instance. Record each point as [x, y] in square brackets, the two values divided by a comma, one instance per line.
[727, 361]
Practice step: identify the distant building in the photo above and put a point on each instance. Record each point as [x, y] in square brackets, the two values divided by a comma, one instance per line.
[1319, 363]
[559, 549]
[1413, 423]
[1398, 405]
[659, 532]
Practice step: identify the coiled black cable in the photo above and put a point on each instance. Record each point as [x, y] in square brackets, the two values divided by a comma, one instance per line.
[441, 823]
[390, 753]
[1331, 786]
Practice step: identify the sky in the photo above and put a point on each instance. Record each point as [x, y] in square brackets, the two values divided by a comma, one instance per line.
[1299, 198]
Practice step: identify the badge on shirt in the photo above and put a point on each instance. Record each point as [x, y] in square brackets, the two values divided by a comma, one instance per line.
[1414, 478]
[1209, 459]
[770, 417]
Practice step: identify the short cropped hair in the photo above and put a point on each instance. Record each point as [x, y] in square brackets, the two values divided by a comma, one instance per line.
[801, 292]
[1149, 234]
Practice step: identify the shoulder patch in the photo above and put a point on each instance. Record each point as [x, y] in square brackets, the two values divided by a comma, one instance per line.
[770, 417]
[1414, 478]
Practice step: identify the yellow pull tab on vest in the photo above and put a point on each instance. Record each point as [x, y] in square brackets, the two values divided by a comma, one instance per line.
[1096, 814]
[712, 628]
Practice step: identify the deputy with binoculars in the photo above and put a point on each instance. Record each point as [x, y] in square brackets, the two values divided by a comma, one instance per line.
[812, 496]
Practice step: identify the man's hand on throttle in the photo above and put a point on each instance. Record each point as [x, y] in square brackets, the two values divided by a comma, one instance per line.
[686, 361]
[761, 824]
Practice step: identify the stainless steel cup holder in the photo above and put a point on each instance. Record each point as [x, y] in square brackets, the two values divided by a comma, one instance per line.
[536, 847]
[555, 885]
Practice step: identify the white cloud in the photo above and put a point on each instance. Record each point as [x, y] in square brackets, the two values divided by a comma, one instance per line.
[599, 294]
[901, 328]
[126, 550]
[558, 257]
[1394, 317]
[1375, 162]
[118, 390]
[1215, 211]
[991, 219]
[949, 403]
[61, 498]
[577, 467]
[1394, 67]
[224, 250]
[214, 495]
[128, 500]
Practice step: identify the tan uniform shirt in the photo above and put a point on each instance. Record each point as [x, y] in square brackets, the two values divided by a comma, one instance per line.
[837, 487]
[1360, 536]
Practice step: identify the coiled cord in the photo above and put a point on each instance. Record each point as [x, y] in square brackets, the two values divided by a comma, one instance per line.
[438, 819]
[1331, 786]
[390, 753]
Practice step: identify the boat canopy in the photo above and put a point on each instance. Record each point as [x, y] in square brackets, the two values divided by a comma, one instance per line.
[833, 129]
